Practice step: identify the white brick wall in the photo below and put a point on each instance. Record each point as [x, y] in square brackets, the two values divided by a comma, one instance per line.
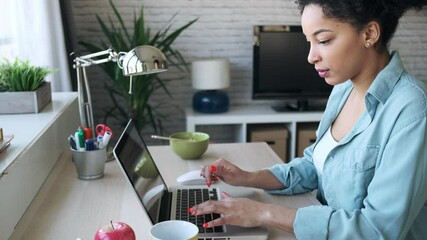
[224, 29]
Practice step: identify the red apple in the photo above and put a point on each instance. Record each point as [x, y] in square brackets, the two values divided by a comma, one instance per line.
[115, 231]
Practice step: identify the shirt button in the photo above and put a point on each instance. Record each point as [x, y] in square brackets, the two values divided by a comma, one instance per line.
[357, 167]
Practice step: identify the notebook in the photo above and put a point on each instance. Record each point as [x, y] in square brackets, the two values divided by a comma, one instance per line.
[161, 201]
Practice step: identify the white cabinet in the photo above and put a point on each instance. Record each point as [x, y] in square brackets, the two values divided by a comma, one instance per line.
[239, 118]
[39, 141]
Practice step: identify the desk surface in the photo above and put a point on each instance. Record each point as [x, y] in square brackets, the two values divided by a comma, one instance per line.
[68, 208]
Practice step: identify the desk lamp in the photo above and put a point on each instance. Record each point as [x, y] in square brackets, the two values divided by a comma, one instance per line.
[210, 77]
[141, 60]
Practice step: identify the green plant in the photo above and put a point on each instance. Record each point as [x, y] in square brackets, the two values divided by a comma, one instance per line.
[20, 76]
[120, 39]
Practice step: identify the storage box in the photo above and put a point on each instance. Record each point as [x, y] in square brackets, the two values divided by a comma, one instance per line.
[306, 135]
[275, 136]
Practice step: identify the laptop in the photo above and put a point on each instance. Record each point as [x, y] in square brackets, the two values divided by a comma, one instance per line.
[162, 202]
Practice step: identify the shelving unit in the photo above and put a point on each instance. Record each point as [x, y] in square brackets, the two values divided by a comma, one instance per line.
[240, 117]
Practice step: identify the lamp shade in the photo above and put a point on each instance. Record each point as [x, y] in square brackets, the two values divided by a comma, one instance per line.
[141, 60]
[211, 74]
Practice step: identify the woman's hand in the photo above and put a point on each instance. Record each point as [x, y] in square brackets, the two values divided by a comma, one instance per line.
[233, 175]
[246, 213]
[234, 211]
[225, 171]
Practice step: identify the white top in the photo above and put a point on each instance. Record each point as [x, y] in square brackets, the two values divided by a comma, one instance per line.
[322, 149]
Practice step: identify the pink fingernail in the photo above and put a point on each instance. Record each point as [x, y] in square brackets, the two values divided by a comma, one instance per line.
[205, 225]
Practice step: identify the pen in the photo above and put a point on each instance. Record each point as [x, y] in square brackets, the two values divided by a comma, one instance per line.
[79, 138]
[106, 139]
[99, 141]
[72, 142]
[87, 133]
[90, 145]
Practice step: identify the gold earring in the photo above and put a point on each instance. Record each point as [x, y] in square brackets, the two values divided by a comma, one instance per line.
[368, 44]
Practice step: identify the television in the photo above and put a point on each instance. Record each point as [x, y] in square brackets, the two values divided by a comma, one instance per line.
[281, 70]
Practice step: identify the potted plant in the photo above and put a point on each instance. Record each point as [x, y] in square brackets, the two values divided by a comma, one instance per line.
[23, 88]
[120, 38]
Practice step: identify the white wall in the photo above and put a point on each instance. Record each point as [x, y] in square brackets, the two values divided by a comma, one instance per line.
[224, 29]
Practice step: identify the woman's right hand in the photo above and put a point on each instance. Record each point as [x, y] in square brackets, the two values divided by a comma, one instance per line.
[225, 171]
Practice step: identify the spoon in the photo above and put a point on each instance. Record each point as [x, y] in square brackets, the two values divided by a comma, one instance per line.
[169, 138]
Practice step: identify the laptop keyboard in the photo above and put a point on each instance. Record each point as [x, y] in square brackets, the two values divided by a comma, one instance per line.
[187, 198]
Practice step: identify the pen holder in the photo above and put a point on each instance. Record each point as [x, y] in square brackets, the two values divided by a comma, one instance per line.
[90, 164]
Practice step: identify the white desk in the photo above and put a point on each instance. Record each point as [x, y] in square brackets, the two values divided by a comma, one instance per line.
[68, 208]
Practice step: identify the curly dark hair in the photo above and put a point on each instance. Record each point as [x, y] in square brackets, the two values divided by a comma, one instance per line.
[360, 12]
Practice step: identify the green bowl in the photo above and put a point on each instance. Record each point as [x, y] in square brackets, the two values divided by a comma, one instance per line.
[193, 149]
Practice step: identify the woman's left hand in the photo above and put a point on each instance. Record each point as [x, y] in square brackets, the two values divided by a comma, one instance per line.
[234, 211]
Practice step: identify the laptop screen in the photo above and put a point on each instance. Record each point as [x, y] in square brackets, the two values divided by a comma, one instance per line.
[138, 165]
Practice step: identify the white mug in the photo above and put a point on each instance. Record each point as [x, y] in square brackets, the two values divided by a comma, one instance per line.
[174, 230]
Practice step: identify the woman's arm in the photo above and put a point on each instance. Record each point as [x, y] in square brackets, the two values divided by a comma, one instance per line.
[279, 217]
[263, 179]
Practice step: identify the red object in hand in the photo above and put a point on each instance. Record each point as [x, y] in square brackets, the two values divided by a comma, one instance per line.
[213, 168]
[115, 231]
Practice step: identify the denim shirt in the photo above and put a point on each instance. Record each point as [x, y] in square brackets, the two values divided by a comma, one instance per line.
[374, 183]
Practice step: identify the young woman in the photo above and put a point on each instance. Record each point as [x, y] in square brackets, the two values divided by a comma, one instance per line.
[369, 162]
